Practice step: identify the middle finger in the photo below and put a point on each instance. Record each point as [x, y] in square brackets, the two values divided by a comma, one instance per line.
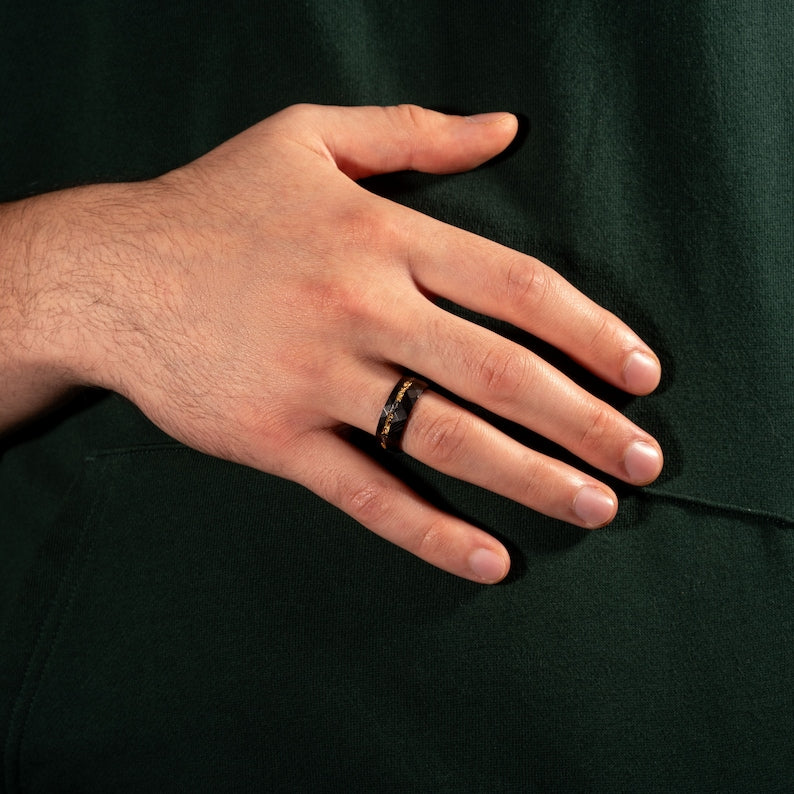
[508, 380]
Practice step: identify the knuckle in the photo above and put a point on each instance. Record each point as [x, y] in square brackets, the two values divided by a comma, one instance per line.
[407, 121]
[432, 541]
[445, 437]
[339, 301]
[409, 114]
[367, 226]
[503, 374]
[273, 424]
[297, 115]
[360, 262]
[369, 502]
[602, 331]
[527, 284]
[353, 309]
[303, 110]
[598, 427]
[533, 479]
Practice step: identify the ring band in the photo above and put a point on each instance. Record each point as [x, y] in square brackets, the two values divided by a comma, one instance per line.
[394, 414]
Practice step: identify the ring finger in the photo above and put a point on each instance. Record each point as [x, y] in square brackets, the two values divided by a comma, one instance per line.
[460, 444]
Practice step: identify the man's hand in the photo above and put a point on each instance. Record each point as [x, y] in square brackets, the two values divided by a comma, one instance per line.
[257, 301]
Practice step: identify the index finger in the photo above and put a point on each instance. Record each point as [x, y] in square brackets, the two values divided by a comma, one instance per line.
[499, 282]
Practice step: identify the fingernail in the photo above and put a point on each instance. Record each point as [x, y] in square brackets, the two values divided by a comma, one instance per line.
[487, 565]
[487, 118]
[641, 373]
[643, 463]
[593, 506]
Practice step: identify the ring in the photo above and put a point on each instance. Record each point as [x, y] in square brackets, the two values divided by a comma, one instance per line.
[394, 414]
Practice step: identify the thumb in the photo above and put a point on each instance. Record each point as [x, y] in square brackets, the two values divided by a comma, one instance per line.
[364, 141]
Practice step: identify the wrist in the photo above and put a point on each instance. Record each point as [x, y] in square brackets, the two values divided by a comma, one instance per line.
[54, 291]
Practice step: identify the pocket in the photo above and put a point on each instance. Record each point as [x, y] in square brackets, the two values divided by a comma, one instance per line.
[50, 554]
[116, 634]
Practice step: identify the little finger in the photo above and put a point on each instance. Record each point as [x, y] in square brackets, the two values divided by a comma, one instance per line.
[347, 478]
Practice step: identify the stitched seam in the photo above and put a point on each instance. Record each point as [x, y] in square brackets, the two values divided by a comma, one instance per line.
[163, 446]
[52, 626]
[725, 507]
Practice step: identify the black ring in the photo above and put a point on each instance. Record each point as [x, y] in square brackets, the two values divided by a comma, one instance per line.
[394, 414]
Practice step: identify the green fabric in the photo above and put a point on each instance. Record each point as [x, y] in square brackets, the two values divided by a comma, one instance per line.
[172, 622]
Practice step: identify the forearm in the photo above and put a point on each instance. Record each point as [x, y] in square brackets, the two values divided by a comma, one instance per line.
[31, 380]
[43, 272]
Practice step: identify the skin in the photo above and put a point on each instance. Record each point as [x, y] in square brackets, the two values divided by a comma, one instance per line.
[257, 302]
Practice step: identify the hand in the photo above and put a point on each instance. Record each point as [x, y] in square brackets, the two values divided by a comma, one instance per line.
[257, 301]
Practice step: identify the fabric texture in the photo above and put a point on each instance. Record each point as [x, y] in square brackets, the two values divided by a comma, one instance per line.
[172, 622]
